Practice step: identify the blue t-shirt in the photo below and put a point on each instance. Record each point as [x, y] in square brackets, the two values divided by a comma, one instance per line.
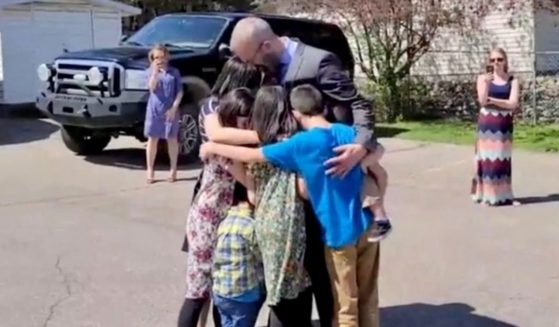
[336, 201]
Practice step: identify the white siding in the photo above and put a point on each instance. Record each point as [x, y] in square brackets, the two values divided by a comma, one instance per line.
[107, 28]
[17, 51]
[1, 72]
[453, 54]
[35, 34]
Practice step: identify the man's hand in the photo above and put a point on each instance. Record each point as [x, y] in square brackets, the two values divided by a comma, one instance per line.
[349, 155]
[206, 150]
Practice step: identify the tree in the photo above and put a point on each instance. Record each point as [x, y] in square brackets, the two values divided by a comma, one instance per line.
[390, 36]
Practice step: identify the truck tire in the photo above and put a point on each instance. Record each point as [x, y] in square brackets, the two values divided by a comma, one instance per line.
[82, 141]
[189, 133]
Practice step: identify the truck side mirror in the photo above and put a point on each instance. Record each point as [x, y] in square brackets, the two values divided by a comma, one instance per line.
[224, 51]
[124, 37]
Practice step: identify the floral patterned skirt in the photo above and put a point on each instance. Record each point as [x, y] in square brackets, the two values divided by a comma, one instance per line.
[208, 209]
[280, 232]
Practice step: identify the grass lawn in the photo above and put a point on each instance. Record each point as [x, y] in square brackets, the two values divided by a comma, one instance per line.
[526, 136]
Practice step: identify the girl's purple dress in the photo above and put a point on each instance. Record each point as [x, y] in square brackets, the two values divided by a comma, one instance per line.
[160, 101]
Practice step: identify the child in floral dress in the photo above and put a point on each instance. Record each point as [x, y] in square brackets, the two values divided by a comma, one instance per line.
[212, 200]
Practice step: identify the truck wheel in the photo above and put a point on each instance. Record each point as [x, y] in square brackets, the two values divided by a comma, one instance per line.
[189, 133]
[81, 141]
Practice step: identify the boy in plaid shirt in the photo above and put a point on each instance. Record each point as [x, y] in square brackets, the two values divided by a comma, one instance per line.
[238, 278]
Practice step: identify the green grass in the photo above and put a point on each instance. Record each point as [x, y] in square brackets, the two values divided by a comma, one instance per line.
[539, 137]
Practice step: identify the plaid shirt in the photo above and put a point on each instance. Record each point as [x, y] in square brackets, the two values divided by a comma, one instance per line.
[237, 266]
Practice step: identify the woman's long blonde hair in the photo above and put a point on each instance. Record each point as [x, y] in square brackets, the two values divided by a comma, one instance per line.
[158, 47]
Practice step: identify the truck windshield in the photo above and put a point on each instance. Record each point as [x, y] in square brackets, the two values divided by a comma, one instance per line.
[179, 31]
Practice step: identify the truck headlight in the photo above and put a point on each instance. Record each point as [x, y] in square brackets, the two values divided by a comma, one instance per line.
[95, 75]
[135, 79]
[45, 72]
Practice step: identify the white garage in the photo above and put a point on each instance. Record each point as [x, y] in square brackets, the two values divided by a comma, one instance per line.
[35, 32]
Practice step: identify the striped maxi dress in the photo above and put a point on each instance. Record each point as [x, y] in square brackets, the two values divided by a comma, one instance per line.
[491, 184]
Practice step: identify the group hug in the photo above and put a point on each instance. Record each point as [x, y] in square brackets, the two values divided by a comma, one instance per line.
[289, 204]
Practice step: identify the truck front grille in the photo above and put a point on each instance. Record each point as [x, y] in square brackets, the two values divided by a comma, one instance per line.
[70, 78]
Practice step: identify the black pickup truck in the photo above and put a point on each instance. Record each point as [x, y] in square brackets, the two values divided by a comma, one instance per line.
[102, 93]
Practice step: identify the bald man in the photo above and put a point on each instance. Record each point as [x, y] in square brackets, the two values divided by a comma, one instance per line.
[293, 64]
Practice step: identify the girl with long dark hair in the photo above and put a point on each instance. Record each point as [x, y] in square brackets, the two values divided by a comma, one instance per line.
[214, 193]
[280, 217]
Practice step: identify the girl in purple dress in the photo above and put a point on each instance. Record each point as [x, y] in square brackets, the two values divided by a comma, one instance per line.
[162, 119]
[215, 194]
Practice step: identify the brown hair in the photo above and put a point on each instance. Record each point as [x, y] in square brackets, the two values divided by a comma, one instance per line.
[235, 74]
[237, 103]
[503, 53]
[271, 116]
[307, 100]
[158, 47]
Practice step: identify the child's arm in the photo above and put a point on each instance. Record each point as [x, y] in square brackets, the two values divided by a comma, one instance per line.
[217, 133]
[153, 78]
[179, 89]
[302, 188]
[281, 154]
[240, 173]
[172, 112]
[239, 153]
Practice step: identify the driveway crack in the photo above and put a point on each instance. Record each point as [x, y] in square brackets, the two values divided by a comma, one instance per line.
[67, 287]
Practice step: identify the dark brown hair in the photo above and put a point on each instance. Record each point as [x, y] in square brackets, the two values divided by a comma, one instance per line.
[237, 103]
[271, 116]
[236, 74]
[307, 100]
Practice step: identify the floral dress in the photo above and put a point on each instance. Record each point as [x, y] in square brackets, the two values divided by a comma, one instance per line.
[280, 232]
[208, 209]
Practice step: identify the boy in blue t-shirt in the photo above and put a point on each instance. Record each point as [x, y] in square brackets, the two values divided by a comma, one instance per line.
[352, 260]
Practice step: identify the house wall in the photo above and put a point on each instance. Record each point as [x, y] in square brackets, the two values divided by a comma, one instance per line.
[37, 33]
[547, 42]
[454, 54]
[1, 71]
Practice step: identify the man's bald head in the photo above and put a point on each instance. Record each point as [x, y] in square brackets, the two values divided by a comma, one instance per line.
[254, 41]
[251, 30]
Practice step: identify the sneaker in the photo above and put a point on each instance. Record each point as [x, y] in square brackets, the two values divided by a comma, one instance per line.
[380, 230]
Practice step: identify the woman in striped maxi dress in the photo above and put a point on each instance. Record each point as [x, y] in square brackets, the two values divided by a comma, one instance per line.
[498, 94]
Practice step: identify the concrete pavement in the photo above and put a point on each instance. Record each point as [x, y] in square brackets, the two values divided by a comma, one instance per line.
[85, 242]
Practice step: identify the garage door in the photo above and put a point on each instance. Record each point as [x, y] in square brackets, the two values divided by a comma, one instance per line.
[61, 31]
[107, 29]
[37, 37]
[17, 53]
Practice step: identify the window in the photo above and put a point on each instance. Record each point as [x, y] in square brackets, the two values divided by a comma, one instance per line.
[180, 31]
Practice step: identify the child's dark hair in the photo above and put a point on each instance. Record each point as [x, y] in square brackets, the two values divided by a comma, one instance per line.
[307, 100]
[239, 194]
[237, 103]
[235, 74]
[271, 115]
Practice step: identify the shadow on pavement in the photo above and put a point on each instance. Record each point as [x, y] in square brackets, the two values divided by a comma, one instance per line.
[430, 315]
[539, 199]
[21, 130]
[134, 158]
[385, 131]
